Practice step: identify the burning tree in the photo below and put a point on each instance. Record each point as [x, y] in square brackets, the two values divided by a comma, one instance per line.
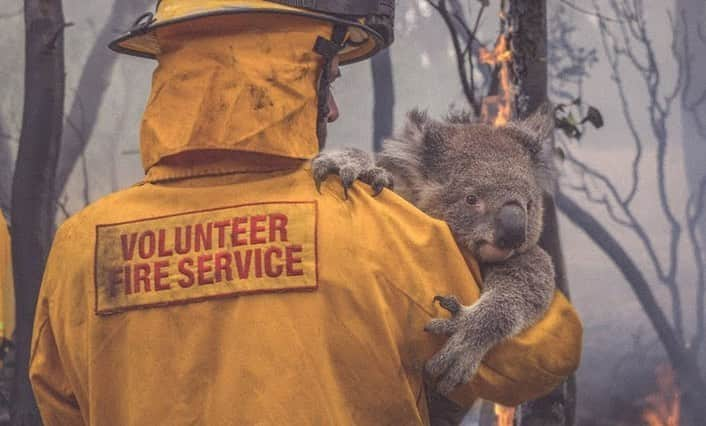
[629, 50]
[513, 83]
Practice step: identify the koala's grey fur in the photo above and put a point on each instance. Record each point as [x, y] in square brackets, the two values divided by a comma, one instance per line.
[486, 183]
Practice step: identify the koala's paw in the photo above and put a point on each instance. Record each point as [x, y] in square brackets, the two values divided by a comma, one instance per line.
[459, 359]
[350, 164]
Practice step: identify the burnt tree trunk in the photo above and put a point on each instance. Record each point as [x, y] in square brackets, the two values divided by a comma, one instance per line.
[384, 93]
[33, 182]
[527, 21]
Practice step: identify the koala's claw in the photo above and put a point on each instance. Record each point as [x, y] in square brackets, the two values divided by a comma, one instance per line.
[318, 185]
[450, 303]
[350, 165]
[378, 178]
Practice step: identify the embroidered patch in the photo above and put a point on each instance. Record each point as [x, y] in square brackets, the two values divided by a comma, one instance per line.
[200, 255]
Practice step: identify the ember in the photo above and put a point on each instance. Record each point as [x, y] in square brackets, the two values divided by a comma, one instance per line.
[662, 406]
[505, 416]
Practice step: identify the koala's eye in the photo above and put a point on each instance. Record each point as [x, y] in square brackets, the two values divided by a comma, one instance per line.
[472, 199]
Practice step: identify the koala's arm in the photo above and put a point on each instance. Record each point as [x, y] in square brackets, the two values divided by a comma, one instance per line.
[527, 283]
[516, 294]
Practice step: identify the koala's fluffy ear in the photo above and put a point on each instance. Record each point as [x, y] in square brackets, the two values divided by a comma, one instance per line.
[412, 155]
[535, 133]
[422, 142]
[417, 121]
[536, 129]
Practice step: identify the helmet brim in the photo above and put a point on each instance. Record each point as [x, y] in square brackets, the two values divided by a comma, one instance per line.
[142, 41]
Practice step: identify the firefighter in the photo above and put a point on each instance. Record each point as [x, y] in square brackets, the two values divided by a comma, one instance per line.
[224, 289]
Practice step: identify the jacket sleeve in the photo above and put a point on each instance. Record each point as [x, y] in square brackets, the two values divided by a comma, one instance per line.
[528, 365]
[48, 376]
[525, 367]
[7, 290]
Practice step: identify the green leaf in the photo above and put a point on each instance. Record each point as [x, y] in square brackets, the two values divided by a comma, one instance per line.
[571, 119]
[568, 127]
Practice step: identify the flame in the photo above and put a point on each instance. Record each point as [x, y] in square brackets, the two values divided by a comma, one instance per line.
[662, 407]
[505, 416]
[501, 56]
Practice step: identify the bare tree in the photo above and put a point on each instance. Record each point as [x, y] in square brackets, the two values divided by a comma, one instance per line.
[384, 93]
[693, 116]
[95, 79]
[527, 31]
[33, 183]
[629, 50]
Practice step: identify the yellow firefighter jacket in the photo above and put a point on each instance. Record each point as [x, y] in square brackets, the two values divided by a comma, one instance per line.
[225, 290]
[7, 283]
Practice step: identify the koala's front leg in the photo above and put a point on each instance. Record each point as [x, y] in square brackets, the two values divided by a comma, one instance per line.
[516, 294]
[472, 331]
[350, 164]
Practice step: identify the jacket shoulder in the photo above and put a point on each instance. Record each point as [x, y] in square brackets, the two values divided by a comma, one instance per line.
[106, 209]
[412, 251]
[75, 236]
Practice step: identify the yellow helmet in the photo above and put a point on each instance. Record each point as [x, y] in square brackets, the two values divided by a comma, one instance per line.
[368, 24]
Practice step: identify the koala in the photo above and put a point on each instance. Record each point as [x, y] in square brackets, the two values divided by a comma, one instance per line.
[487, 183]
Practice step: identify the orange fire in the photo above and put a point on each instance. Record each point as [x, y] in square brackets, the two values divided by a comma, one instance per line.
[505, 416]
[501, 56]
[662, 407]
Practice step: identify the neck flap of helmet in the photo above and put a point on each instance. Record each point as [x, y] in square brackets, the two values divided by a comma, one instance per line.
[239, 85]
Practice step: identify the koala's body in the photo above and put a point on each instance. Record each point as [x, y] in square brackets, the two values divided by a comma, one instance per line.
[487, 183]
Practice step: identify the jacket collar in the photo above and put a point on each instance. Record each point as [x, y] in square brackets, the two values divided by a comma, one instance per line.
[217, 163]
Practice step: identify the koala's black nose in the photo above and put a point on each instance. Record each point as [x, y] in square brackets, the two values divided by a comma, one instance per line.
[510, 226]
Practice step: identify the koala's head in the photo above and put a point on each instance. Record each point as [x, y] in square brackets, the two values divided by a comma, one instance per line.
[487, 183]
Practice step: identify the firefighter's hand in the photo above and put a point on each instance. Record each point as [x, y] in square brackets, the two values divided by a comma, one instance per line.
[459, 359]
[350, 164]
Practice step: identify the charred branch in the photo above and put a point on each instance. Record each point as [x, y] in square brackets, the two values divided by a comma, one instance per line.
[33, 197]
[384, 92]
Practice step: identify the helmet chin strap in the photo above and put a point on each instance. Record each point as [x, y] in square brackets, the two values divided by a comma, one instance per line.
[328, 49]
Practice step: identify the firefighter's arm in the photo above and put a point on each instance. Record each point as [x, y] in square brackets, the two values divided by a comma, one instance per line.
[522, 368]
[48, 375]
[530, 364]
[55, 399]
[422, 260]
